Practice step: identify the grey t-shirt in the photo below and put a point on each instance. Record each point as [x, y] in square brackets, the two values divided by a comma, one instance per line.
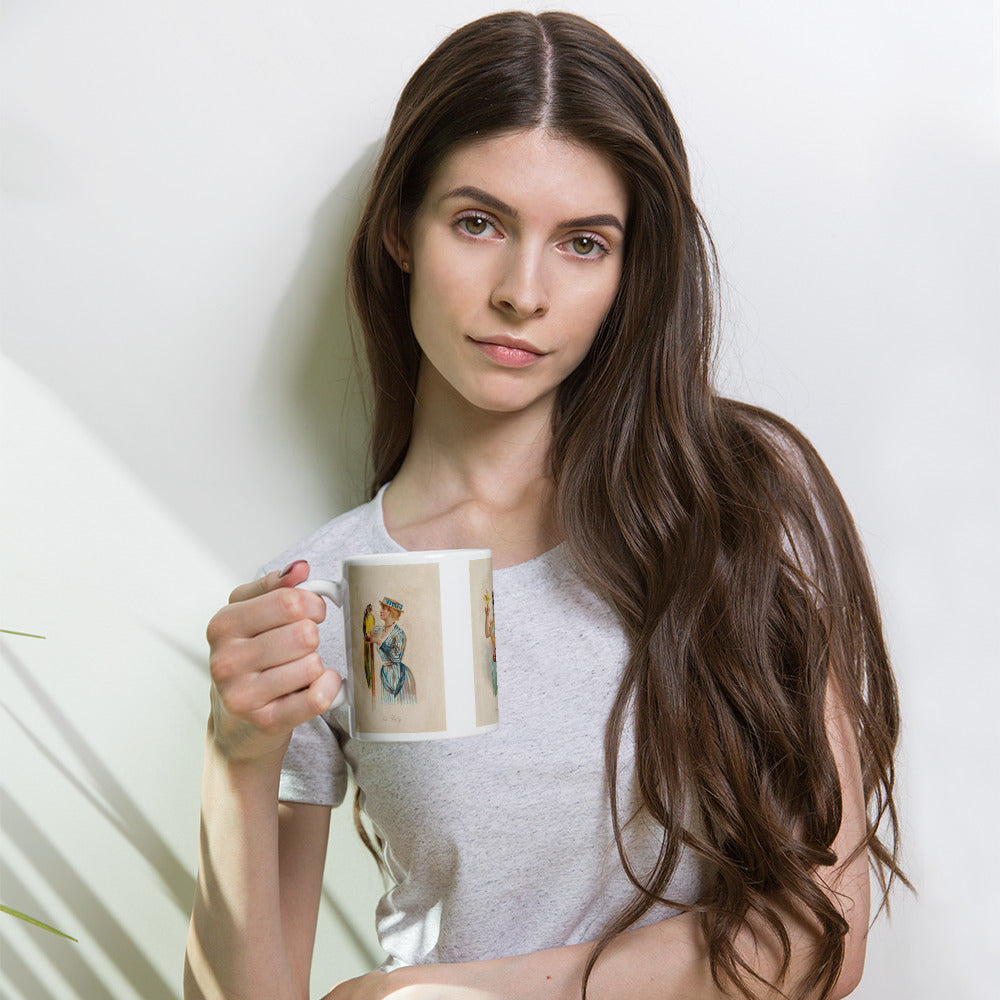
[498, 844]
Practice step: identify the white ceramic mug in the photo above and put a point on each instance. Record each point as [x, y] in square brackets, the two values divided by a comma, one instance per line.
[420, 644]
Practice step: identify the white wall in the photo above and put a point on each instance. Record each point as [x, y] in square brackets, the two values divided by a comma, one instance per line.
[177, 401]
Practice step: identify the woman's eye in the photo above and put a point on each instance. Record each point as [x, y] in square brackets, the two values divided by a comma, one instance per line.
[474, 225]
[587, 246]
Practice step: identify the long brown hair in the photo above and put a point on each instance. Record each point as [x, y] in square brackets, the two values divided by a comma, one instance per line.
[711, 527]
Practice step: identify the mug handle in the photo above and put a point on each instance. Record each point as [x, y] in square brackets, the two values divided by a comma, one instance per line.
[332, 590]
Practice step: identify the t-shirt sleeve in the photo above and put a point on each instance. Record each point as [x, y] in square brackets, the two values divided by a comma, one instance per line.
[314, 769]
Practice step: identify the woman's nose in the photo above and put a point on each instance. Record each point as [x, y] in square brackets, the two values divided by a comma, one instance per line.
[521, 289]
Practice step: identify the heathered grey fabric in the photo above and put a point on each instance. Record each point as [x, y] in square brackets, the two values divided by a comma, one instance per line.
[499, 844]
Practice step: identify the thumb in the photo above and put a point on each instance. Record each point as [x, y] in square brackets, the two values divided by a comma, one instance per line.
[293, 574]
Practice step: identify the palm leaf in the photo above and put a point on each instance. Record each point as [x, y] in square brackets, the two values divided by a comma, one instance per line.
[32, 920]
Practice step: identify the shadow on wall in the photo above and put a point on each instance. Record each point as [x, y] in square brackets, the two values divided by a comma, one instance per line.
[50, 866]
[110, 798]
[113, 947]
[104, 723]
[310, 361]
[108, 934]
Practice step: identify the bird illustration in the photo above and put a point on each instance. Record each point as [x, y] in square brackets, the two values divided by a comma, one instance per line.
[367, 627]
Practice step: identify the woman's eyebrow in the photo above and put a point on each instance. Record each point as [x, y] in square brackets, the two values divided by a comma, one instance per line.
[501, 207]
[592, 221]
[484, 198]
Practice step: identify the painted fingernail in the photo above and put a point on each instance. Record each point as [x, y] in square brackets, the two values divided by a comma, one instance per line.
[290, 567]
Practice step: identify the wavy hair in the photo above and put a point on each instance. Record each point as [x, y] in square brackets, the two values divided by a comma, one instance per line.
[711, 527]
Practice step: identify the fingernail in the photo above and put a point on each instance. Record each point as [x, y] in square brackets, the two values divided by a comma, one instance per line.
[290, 567]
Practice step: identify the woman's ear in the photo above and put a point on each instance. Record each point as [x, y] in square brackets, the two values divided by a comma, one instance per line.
[395, 242]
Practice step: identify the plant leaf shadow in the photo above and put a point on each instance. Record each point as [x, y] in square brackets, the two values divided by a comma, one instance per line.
[191, 656]
[103, 929]
[119, 807]
[64, 770]
[20, 974]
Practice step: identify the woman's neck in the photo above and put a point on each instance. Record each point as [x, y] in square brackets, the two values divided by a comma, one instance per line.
[473, 479]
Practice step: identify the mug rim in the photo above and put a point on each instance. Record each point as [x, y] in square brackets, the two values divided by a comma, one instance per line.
[416, 556]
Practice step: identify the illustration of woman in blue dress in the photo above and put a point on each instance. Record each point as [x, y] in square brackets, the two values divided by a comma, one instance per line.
[398, 684]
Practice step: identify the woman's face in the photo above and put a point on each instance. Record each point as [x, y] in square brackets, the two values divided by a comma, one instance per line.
[516, 254]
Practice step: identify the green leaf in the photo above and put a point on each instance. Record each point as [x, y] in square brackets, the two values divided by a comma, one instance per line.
[27, 635]
[32, 920]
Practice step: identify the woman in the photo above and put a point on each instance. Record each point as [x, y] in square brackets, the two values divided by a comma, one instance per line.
[535, 289]
[398, 684]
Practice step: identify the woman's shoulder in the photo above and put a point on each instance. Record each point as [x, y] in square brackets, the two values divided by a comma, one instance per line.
[358, 531]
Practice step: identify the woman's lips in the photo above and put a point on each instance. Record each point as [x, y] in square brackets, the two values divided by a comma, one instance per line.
[508, 352]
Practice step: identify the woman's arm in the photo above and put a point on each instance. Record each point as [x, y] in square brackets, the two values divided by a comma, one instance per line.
[303, 835]
[667, 960]
[260, 868]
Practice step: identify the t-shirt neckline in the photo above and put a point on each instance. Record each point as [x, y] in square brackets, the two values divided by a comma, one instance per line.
[554, 556]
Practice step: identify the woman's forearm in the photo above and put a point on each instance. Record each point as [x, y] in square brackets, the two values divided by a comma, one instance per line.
[664, 961]
[236, 949]
[267, 678]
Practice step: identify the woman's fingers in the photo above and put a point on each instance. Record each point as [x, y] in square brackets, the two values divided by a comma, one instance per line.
[272, 648]
[257, 689]
[255, 615]
[267, 676]
[284, 713]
